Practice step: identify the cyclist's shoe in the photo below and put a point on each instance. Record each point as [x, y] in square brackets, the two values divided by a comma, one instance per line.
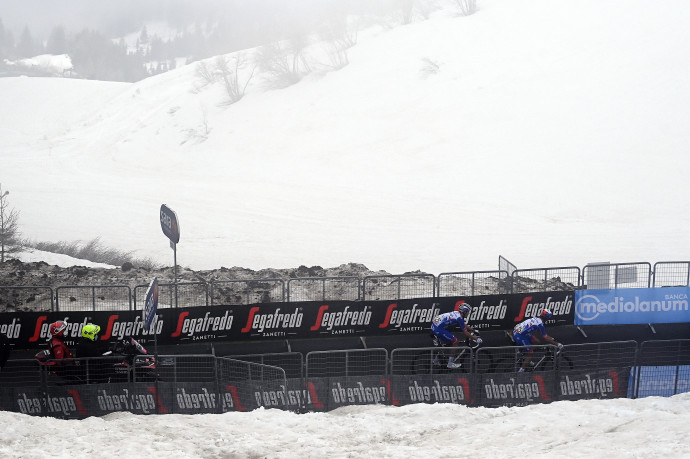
[453, 365]
[521, 370]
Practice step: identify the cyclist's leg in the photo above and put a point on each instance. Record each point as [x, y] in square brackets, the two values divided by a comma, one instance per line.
[526, 352]
[450, 341]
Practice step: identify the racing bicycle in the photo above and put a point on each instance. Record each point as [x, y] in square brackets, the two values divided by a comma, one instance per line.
[435, 360]
[545, 358]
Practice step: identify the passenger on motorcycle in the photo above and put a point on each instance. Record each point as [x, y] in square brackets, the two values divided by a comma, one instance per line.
[89, 344]
[442, 325]
[532, 331]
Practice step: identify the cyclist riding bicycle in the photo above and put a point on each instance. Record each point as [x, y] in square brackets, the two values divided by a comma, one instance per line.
[442, 324]
[532, 331]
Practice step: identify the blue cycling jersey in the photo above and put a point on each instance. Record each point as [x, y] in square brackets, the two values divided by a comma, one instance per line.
[523, 332]
[442, 324]
[449, 320]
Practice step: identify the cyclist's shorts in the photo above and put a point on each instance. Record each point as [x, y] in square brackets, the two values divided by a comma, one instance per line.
[444, 335]
[523, 340]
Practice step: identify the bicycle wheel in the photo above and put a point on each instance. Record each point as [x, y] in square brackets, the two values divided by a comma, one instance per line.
[484, 363]
[423, 363]
[506, 365]
[565, 363]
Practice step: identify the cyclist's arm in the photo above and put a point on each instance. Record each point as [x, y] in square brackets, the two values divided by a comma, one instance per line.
[547, 338]
[468, 333]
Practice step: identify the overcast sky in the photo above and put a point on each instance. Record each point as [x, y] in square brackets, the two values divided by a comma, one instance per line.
[108, 16]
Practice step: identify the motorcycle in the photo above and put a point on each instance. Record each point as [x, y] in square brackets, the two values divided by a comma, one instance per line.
[125, 361]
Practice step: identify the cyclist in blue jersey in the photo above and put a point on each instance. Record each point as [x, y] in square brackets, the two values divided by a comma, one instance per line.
[532, 331]
[442, 325]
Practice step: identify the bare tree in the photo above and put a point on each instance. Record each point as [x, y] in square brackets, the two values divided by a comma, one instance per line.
[10, 241]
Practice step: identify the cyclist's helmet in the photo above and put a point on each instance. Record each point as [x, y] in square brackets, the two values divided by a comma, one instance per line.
[465, 309]
[90, 331]
[58, 328]
[545, 314]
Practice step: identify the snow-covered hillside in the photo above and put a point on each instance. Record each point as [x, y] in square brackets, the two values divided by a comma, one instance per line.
[551, 132]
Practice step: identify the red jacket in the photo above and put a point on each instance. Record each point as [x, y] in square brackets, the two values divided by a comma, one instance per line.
[59, 349]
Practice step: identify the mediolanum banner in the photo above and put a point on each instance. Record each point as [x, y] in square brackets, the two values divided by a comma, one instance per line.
[632, 306]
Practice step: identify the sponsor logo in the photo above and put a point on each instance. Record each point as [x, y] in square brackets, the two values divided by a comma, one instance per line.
[273, 322]
[193, 327]
[438, 393]
[488, 311]
[589, 307]
[121, 328]
[348, 317]
[532, 309]
[12, 329]
[283, 397]
[588, 385]
[52, 405]
[359, 394]
[520, 391]
[399, 318]
[187, 400]
[652, 384]
[42, 325]
[235, 397]
[125, 400]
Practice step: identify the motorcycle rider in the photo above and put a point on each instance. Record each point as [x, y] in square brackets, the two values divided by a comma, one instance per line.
[58, 348]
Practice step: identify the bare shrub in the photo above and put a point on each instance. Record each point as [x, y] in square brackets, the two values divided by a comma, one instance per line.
[285, 62]
[406, 9]
[228, 70]
[429, 67]
[467, 7]
[339, 37]
[205, 76]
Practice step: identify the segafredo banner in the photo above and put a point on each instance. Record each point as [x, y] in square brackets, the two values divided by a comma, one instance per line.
[632, 306]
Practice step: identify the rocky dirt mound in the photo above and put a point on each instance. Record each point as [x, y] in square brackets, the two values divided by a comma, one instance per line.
[15, 273]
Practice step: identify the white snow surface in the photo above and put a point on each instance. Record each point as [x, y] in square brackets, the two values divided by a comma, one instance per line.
[58, 259]
[649, 427]
[552, 132]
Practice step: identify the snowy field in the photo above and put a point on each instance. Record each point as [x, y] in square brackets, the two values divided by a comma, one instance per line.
[619, 428]
[552, 132]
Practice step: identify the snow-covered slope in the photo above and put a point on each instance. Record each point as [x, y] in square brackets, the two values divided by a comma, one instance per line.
[552, 132]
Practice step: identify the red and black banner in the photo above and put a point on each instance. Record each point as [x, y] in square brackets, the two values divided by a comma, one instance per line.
[289, 320]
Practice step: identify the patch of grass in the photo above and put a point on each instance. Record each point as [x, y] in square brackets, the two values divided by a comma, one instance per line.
[94, 251]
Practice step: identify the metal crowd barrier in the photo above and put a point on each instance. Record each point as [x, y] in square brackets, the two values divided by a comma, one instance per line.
[350, 288]
[324, 380]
